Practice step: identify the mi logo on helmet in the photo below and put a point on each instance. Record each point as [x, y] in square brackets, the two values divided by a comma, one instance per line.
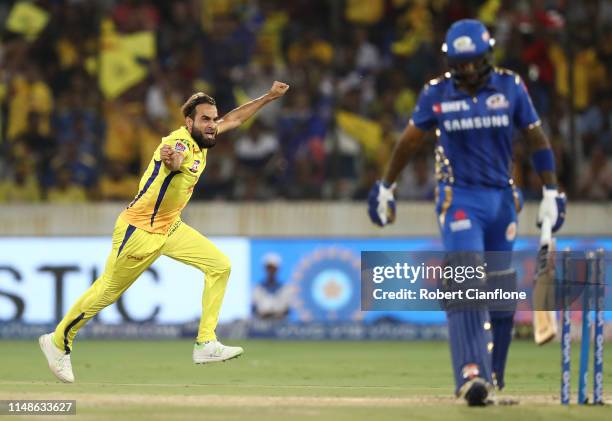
[464, 44]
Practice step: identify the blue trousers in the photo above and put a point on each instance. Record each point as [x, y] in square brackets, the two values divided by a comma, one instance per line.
[480, 220]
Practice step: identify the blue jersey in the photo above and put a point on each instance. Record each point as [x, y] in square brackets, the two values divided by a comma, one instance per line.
[475, 132]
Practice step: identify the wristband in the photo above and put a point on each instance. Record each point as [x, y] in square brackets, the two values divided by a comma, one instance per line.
[543, 160]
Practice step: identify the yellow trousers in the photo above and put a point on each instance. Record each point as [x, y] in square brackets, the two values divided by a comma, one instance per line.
[133, 251]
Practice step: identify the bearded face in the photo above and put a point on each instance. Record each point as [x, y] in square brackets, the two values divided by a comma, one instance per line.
[203, 127]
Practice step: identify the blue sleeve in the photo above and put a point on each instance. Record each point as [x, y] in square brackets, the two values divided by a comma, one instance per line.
[524, 112]
[423, 116]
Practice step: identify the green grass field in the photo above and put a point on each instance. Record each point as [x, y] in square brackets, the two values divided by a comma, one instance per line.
[137, 380]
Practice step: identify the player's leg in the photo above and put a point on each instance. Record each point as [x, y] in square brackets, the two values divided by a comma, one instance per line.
[187, 245]
[469, 335]
[133, 250]
[499, 237]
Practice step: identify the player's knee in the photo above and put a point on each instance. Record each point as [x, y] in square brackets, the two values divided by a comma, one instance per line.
[506, 281]
[466, 272]
[218, 264]
[224, 265]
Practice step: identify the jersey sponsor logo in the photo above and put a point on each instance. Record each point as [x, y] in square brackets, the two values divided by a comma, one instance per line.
[461, 221]
[480, 122]
[464, 44]
[450, 107]
[194, 167]
[497, 102]
[139, 258]
[180, 147]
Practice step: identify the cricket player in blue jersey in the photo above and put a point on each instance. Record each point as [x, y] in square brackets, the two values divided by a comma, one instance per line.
[474, 108]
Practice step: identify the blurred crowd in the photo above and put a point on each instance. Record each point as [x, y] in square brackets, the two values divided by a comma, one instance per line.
[88, 88]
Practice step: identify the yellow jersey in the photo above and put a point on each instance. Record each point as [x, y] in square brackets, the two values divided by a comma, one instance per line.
[162, 193]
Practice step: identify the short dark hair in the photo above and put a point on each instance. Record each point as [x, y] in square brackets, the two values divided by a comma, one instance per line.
[194, 100]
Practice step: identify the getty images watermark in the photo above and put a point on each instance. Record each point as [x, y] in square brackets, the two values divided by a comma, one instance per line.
[424, 280]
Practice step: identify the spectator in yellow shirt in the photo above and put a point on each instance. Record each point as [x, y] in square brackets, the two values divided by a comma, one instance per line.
[28, 93]
[23, 188]
[589, 72]
[117, 183]
[65, 191]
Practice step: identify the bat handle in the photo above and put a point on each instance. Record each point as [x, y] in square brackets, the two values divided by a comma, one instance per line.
[546, 233]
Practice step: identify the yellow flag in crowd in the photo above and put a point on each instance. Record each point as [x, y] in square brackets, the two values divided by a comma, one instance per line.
[27, 19]
[488, 11]
[367, 132]
[364, 11]
[118, 72]
[139, 44]
[120, 62]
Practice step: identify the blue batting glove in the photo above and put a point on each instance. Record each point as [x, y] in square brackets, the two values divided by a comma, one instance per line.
[381, 204]
[552, 207]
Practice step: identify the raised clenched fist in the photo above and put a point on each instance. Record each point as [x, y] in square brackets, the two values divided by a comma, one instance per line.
[170, 157]
[278, 89]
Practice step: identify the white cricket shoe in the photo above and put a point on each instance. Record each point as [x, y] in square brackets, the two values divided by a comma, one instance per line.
[59, 362]
[214, 351]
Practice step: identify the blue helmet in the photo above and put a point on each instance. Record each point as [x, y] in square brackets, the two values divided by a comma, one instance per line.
[467, 39]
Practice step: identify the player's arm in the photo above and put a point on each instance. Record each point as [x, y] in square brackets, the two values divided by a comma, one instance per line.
[410, 141]
[171, 158]
[553, 203]
[540, 146]
[381, 202]
[241, 114]
[552, 207]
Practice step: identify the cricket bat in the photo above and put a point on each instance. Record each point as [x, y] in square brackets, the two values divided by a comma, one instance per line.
[545, 321]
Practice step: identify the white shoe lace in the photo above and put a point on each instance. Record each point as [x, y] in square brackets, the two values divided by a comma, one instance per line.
[64, 364]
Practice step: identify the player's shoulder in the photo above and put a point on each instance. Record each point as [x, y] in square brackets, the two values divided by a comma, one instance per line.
[437, 85]
[507, 76]
[179, 134]
[438, 82]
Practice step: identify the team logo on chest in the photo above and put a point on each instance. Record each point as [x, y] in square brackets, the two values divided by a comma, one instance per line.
[497, 102]
[194, 167]
[180, 147]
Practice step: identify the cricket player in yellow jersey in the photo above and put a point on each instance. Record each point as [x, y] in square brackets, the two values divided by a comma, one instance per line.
[151, 226]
